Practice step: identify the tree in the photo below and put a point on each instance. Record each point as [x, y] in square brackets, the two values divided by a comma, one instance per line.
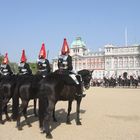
[1, 58]
[14, 67]
[33, 67]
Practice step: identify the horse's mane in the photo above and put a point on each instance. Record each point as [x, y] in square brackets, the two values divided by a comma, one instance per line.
[65, 78]
[84, 72]
[8, 78]
[32, 80]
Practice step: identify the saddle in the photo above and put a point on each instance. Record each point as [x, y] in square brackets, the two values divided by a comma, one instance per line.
[68, 79]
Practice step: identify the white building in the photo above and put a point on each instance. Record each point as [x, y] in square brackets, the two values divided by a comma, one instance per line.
[85, 59]
[112, 61]
[122, 59]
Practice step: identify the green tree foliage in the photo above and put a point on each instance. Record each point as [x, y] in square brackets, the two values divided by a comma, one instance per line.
[1, 58]
[33, 67]
[14, 66]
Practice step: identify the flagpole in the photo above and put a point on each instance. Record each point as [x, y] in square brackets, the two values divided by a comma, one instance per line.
[47, 54]
[126, 37]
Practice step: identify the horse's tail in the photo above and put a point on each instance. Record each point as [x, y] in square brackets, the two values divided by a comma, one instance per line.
[42, 110]
[15, 106]
[43, 104]
[0, 107]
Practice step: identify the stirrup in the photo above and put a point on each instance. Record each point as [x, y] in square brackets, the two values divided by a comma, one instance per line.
[80, 95]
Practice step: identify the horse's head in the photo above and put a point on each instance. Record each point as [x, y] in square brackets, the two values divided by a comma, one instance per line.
[86, 77]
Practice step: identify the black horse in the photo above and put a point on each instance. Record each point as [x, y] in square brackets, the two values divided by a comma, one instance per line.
[133, 82]
[26, 89]
[7, 86]
[106, 82]
[56, 87]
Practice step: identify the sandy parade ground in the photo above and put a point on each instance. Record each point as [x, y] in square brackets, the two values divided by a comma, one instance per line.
[106, 114]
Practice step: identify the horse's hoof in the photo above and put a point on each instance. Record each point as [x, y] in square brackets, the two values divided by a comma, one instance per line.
[8, 119]
[29, 125]
[20, 128]
[1, 122]
[68, 122]
[35, 114]
[49, 136]
[42, 130]
[79, 123]
[14, 119]
[55, 120]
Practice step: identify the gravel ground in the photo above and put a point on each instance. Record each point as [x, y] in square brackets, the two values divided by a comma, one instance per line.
[106, 114]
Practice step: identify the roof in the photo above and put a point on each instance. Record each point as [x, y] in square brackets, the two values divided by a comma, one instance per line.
[78, 43]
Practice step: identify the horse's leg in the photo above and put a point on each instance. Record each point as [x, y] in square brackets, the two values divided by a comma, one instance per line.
[78, 111]
[47, 119]
[4, 108]
[69, 110]
[41, 113]
[23, 107]
[54, 118]
[35, 100]
[1, 121]
[46, 125]
[18, 119]
[25, 112]
[6, 113]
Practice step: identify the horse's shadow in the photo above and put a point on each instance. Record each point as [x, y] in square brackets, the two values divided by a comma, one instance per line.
[61, 115]
[30, 113]
[31, 116]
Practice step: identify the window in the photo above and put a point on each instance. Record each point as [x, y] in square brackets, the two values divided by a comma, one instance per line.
[137, 62]
[115, 62]
[131, 62]
[125, 62]
[120, 62]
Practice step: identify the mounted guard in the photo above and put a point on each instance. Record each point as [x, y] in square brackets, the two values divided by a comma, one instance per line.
[24, 68]
[65, 65]
[5, 68]
[43, 64]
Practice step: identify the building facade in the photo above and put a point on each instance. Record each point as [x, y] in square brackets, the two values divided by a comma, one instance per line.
[111, 61]
[85, 59]
[122, 59]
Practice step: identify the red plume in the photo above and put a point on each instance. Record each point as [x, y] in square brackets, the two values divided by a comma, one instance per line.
[5, 60]
[23, 56]
[65, 47]
[42, 53]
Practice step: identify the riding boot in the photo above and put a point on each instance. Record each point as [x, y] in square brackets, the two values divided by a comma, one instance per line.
[81, 95]
[80, 87]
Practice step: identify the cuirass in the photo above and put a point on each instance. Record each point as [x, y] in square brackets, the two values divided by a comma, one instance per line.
[21, 65]
[3, 66]
[63, 64]
[24, 70]
[5, 70]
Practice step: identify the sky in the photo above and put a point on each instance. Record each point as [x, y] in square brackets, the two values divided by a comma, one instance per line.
[26, 24]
